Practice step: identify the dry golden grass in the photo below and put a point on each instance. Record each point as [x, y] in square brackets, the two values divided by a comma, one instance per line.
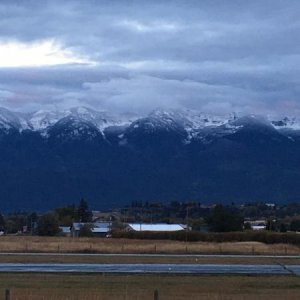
[106, 245]
[136, 287]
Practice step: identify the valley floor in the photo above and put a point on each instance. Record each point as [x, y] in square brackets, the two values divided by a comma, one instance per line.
[135, 287]
[37, 286]
[114, 245]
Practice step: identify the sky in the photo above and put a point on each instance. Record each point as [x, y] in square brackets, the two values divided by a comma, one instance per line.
[210, 55]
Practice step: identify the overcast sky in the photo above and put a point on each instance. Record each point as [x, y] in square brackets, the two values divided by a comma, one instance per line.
[214, 56]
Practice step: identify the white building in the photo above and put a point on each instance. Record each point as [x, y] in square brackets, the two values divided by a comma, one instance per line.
[155, 227]
[257, 224]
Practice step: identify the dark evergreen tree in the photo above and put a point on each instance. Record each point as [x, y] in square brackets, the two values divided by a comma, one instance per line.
[83, 213]
[86, 231]
[15, 222]
[67, 215]
[282, 227]
[295, 225]
[48, 225]
[32, 222]
[247, 226]
[2, 223]
[271, 226]
[223, 220]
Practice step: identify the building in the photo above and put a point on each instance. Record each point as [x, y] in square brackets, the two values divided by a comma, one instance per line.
[65, 230]
[257, 224]
[100, 229]
[155, 227]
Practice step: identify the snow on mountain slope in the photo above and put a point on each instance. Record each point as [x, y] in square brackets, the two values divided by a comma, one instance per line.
[160, 119]
[191, 118]
[101, 119]
[42, 120]
[197, 125]
[71, 127]
[10, 120]
[291, 123]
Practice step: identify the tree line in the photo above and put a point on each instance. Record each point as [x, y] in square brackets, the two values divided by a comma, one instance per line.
[214, 218]
[46, 224]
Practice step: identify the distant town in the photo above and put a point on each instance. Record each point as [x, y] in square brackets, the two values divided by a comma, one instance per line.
[80, 221]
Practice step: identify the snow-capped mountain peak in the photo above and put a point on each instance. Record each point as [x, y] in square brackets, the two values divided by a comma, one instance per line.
[196, 124]
[11, 120]
[40, 120]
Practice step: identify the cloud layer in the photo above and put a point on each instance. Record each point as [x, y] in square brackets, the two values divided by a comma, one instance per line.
[216, 56]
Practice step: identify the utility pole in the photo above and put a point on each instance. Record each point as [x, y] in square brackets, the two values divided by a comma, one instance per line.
[187, 224]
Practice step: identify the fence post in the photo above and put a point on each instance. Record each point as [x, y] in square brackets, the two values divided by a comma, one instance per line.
[156, 295]
[7, 294]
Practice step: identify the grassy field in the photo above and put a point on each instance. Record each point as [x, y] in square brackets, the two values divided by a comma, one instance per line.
[147, 260]
[135, 287]
[108, 245]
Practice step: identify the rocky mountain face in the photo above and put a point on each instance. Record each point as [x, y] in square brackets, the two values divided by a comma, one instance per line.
[52, 158]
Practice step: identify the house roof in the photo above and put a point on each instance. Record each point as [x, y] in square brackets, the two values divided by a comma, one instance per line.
[65, 229]
[100, 230]
[258, 227]
[156, 227]
[98, 227]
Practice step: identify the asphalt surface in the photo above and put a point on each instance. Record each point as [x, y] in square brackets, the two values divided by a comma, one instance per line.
[146, 255]
[152, 268]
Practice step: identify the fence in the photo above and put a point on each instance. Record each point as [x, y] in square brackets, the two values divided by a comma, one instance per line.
[7, 295]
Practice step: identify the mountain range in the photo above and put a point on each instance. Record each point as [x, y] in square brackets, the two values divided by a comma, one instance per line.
[53, 158]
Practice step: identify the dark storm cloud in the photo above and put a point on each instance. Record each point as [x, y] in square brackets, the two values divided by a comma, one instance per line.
[210, 55]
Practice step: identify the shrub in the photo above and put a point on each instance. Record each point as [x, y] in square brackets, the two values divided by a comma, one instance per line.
[218, 237]
[48, 225]
[86, 230]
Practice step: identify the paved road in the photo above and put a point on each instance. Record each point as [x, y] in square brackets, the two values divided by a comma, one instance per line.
[153, 268]
[149, 255]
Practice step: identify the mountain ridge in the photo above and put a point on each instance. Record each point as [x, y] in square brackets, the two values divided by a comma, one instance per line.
[190, 120]
[50, 159]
